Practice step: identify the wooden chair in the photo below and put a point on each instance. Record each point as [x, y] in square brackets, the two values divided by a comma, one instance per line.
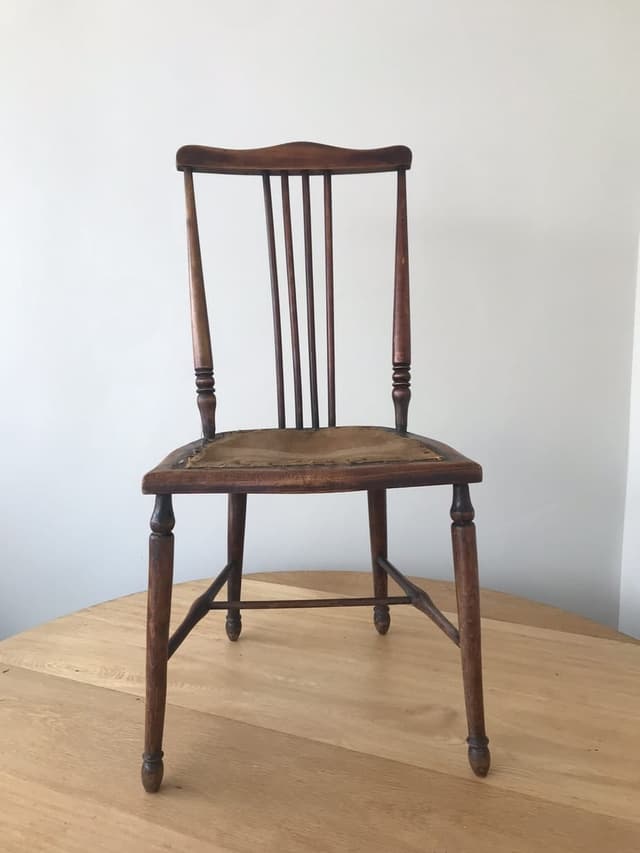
[305, 460]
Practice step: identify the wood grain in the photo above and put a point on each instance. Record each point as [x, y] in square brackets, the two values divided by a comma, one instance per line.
[330, 310]
[232, 786]
[275, 298]
[401, 356]
[311, 318]
[293, 158]
[293, 299]
[200, 331]
[292, 711]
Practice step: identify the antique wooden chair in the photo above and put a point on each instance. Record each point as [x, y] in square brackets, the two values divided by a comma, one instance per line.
[305, 460]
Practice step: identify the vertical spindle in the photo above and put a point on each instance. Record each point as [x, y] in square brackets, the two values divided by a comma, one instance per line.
[311, 318]
[328, 263]
[293, 305]
[275, 298]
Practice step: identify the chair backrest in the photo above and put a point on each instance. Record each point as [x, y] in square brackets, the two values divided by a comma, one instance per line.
[302, 159]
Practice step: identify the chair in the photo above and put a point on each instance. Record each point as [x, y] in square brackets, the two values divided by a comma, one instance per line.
[305, 459]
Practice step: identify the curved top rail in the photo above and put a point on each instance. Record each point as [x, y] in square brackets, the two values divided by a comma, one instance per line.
[293, 158]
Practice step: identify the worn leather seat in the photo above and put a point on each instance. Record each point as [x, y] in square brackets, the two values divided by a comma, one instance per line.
[266, 459]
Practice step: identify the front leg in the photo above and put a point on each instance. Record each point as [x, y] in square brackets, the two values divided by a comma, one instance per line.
[465, 563]
[158, 614]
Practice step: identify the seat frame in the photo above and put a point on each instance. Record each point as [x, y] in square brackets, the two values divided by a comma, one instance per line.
[173, 476]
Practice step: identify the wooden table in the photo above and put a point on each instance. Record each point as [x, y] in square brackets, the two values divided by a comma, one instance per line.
[313, 733]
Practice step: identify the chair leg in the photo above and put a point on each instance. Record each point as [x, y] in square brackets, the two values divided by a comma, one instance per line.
[235, 549]
[378, 536]
[158, 614]
[465, 562]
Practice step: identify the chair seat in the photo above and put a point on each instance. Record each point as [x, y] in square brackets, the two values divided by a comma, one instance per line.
[330, 459]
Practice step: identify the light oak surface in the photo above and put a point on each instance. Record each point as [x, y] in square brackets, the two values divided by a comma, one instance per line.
[314, 733]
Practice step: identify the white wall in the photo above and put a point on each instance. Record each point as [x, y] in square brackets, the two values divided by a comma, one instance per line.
[524, 214]
[630, 576]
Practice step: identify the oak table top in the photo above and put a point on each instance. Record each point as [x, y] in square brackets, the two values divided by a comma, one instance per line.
[314, 733]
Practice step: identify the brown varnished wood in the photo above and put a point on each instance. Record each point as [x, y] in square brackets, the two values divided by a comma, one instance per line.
[465, 563]
[311, 319]
[313, 603]
[329, 298]
[202, 356]
[337, 460]
[237, 513]
[198, 610]
[401, 357]
[421, 600]
[293, 158]
[401, 377]
[293, 303]
[158, 615]
[275, 299]
[377, 503]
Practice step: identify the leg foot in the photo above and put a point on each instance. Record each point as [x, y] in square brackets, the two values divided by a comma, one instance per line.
[233, 625]
[152, 772]
[381, 618]
[479, 755]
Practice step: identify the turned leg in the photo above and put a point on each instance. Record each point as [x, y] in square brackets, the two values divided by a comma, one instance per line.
[378, 537]
[235, 550]
[465, 563]
[158, 613]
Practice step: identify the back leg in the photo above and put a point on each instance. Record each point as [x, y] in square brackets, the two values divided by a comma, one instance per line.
[378, 536]
[235, 550]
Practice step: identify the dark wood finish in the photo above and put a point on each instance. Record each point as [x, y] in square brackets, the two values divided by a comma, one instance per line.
[158, 615]
[285, 160]
[421, 600]
[311, 316]
[198, 610]
[237, 514]
[293, 158]
[377, 502]
[293, 303]
[294, 604]
[401, 377]
[465, 562]
[202, 357]
[330, 311]
[275, 298]
[374, 467]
